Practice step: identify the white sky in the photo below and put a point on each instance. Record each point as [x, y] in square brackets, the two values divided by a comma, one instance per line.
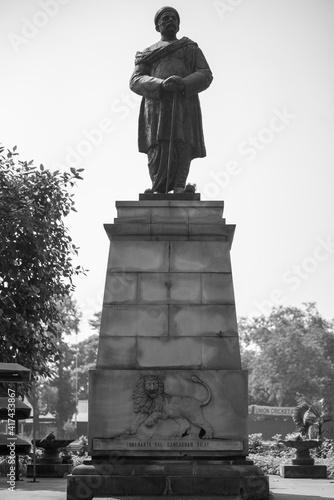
[61, 79]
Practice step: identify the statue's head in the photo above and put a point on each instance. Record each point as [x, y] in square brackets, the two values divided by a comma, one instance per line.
[167, 19]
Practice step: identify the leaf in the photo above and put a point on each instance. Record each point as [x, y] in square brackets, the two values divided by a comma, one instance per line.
[41, 167]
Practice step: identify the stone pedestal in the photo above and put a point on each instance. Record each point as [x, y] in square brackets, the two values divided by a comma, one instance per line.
[304, 471]
[168, 399]
[303, 464]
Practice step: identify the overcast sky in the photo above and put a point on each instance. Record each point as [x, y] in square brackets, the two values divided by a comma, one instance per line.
[268, 125]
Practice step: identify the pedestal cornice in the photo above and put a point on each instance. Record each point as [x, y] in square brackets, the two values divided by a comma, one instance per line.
[170, 220]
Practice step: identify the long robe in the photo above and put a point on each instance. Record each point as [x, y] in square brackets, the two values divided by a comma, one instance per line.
[156, 63]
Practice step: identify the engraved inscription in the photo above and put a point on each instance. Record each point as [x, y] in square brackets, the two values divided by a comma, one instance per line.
[132, 443]
[167, 444]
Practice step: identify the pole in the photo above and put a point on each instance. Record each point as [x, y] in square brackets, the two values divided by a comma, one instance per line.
[17, 463]
[34, 416]
[76, 377]
[171, 140]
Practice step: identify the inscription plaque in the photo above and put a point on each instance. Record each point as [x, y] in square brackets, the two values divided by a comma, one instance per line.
[135, 444]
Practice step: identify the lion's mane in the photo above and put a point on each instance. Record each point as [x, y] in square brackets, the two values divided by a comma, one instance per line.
[142, 403]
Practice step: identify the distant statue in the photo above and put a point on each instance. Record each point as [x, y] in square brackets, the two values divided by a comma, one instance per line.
[169, 75]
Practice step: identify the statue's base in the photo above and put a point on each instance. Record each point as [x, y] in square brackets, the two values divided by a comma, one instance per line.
[169, 197]
[303, 471]
[178, 479]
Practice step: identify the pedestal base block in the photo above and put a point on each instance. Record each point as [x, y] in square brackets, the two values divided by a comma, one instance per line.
[304, 471]
[178, 480]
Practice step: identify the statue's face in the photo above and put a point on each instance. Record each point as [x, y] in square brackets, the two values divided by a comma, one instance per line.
[168, 23]
[152, 388]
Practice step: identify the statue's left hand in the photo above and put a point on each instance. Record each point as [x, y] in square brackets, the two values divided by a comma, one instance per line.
[173, 83]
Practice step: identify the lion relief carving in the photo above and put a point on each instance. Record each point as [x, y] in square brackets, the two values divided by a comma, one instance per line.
[152, 404]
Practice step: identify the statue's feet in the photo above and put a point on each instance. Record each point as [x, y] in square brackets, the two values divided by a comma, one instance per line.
[190, 188]
[178, 190]
[148, 191]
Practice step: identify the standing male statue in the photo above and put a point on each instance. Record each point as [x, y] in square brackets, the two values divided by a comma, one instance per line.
[169, 75]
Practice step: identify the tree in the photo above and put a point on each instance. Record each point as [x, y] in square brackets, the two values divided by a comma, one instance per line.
[95, 322]
[289, 353]
[36, 267]
[47, 396]
[56, 394]
[87, 355]
[66, 402]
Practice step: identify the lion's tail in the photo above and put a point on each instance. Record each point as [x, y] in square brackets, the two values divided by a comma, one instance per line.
[199, 381]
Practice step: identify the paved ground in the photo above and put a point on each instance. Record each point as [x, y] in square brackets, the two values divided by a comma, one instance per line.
[282, 489]
[301, 489]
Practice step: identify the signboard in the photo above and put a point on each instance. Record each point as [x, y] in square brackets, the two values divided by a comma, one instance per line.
[274, 411]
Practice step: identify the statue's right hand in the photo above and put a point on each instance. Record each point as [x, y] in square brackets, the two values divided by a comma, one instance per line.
[173, 83]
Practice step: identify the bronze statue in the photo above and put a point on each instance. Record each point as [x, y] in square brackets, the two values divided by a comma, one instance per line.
[169, 75]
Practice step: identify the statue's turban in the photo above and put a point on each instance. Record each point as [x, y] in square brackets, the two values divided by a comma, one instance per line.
[165, 9]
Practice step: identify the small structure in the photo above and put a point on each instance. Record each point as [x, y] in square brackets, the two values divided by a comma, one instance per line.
[303, 465]
[13, 372]
[309, 419]
[51, 464]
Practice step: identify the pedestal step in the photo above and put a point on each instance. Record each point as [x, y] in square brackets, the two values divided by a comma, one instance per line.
[229, 497]
[244, 482]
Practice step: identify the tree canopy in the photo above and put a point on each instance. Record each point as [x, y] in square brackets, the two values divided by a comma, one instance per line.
[288, 353]
[57, 394]
[95, 321]
[36, 260]
[87, 356]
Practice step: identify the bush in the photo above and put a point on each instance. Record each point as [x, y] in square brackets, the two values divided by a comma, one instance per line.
[255, 443]
[326, 450]
[78, 458]
[269, 464]
[268, 456]
[5, 466]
